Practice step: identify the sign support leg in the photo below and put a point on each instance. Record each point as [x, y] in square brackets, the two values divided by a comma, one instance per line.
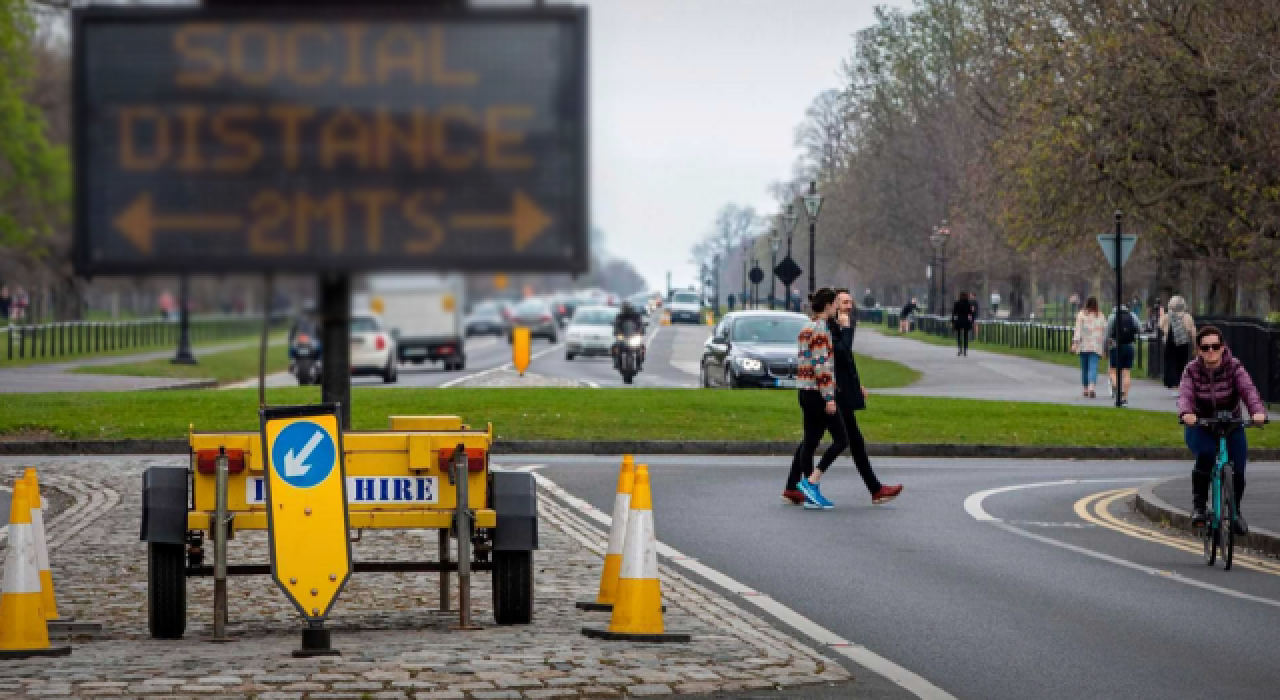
[335, 309]
[184, 356]
[445, 603]
[220, 550]
[315, 641]
[463, 522]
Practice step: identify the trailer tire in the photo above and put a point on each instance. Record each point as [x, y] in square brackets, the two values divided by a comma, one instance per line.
[513, 587]
[166, 590]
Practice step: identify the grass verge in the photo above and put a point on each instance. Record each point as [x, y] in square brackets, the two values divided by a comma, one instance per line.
[606, 414]
[884, 374]
[225, 366]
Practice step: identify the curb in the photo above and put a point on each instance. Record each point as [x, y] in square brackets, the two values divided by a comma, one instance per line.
[1159, 512]
[665, 447]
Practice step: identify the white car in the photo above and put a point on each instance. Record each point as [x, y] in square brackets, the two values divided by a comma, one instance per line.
[685, 307]
[590, 332]
[373, 350]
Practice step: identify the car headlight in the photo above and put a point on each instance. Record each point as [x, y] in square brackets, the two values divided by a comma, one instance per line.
[636, 341]
[750, 364]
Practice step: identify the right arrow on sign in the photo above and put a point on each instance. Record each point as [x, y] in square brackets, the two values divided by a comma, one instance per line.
[139, 223]
[526, 221]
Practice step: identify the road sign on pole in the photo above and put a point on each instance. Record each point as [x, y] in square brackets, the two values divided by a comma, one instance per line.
[1108, 243]
[307, 512]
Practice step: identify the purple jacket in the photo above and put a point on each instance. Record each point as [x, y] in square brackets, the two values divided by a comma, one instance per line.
[1205, 391]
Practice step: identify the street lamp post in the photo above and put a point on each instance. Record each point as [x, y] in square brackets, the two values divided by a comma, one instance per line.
[939, 238]
[184, 356]
[789, 223]
[812, 205]
[774, 243]
[745, 289]
[715, 268]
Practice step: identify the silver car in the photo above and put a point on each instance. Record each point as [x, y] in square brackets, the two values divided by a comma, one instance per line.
[590, 332]
[535, 315]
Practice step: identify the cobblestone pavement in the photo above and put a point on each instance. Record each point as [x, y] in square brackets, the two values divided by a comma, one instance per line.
[394, 642]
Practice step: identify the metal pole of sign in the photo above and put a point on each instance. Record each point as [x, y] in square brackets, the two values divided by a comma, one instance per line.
[462, 521]
[1119, 388]
[220, 550]
[262, 345]
[445, 603]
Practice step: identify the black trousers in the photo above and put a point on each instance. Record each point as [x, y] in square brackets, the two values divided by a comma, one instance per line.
[962, 339]
[802, 462]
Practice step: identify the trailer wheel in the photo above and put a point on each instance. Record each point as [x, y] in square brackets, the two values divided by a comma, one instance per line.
[513, 588]
[166, 590]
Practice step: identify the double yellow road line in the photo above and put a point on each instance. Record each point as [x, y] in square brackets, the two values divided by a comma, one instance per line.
[1096, 509]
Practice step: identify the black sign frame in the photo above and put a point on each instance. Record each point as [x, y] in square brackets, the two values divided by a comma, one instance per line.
[577, 72]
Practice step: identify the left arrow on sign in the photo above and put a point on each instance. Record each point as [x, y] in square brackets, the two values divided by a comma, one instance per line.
[139, 223]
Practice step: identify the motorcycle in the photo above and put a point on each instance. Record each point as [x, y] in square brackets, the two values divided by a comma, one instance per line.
[306, 357]
[630, 355]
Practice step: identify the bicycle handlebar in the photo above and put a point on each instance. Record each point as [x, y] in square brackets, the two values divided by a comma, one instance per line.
[1238, 422]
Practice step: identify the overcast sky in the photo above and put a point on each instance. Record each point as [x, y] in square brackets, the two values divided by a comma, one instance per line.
[694, 103]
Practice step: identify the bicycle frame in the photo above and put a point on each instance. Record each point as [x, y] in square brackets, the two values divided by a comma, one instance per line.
[1215, 483]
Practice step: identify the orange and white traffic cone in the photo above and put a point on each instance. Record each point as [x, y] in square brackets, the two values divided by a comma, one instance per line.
[637, 614]
[608, 593]
[42, 546]
[23, 628]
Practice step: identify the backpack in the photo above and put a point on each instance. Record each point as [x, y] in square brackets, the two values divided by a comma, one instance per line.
[1128, 328]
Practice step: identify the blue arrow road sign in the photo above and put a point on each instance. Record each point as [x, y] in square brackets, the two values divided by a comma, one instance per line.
[303, 454]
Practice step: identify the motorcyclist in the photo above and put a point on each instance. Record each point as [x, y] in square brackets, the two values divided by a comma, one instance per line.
[628, 322]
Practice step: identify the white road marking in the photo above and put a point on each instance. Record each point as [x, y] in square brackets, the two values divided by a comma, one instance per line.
[973, 505]
[857, 653]
[491, 370]
[531, 468]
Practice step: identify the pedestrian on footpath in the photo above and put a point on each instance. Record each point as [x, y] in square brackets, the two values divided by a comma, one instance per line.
[1121, 356]
[904, 319]
[1177, 329]
[1088, 340]
[1216, 381]
[6, 301]
[962, 322]
[850, 397]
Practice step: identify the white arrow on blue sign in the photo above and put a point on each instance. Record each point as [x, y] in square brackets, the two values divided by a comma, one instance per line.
[1108, 243]
[303, 454]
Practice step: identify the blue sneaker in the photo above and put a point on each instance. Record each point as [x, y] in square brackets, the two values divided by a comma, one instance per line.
[822, 500]
[809, 490]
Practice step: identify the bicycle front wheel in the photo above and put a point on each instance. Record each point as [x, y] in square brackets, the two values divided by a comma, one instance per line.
[1226, 524]
[1209, 534]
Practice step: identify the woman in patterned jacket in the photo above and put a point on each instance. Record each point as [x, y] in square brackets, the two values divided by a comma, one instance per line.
[816, 383]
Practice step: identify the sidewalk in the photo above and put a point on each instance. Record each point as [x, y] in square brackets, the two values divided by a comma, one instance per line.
[996, 377]
[58, 376]
[1169, 501]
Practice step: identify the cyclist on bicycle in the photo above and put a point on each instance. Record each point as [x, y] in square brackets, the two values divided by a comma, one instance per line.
[1215, 381]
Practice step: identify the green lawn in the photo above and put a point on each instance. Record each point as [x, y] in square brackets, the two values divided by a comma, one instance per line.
[606, 414]
[225, 366]
[884, 374]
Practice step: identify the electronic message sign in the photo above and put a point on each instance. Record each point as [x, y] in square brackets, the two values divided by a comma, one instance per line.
[313, 139]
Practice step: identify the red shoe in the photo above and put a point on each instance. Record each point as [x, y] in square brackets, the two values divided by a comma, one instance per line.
[793, 497]
[886, 494]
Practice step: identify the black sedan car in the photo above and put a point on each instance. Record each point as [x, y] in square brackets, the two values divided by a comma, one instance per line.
[753, 349]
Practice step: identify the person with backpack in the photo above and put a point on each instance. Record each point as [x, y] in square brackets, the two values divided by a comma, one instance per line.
[1177, 329]
[962, 322]
[904, 318]
[1121, 357]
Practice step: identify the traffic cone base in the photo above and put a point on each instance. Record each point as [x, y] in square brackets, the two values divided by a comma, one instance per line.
[608, 586]
[23, 630]
[637, 613]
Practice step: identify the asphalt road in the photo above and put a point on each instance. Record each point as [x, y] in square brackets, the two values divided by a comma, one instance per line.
[1040, 603]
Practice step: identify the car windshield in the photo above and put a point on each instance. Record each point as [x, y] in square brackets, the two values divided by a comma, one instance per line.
[686, 298]
[595, 317]
[767, 329]
[488, 308]
[363, 324]
[531, 307]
